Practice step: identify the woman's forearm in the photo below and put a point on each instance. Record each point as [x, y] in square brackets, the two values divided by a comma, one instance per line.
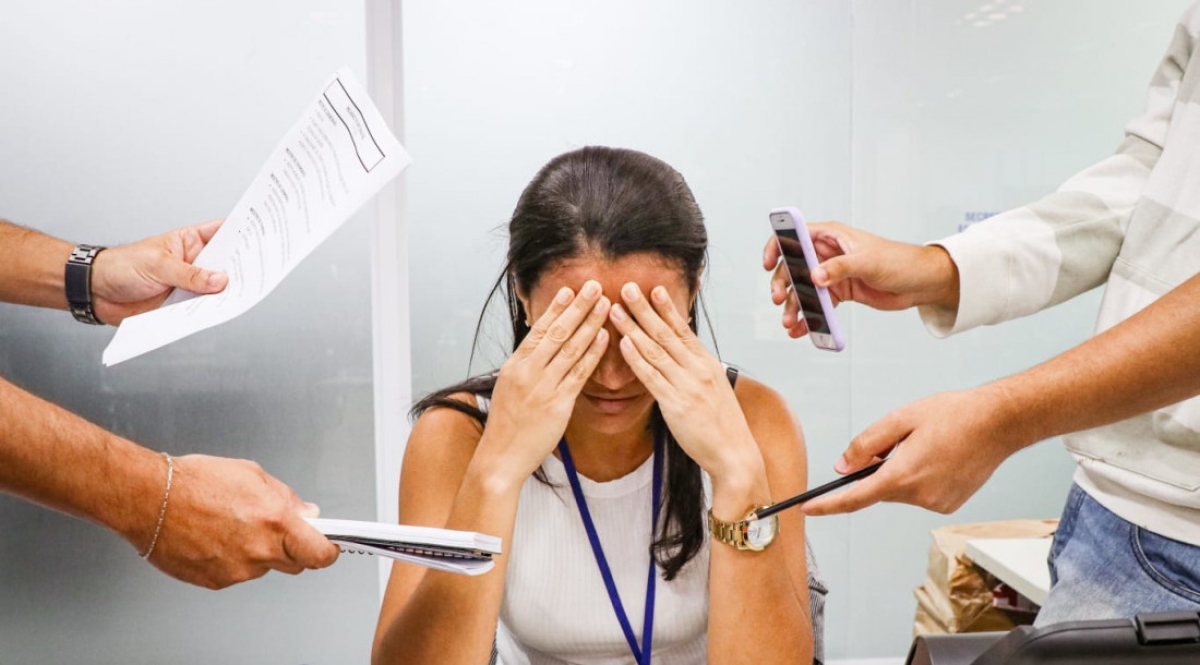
[452, 618]
[757, 608]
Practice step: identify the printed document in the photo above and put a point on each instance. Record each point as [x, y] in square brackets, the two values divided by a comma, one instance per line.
[335, 158]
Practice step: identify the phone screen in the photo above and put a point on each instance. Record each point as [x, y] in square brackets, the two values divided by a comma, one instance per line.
[802, 285]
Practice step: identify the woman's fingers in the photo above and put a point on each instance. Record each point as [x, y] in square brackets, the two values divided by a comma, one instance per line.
[647, 350]
[679, 324]
[579, 373]
[646, 372]
[572, 352]
[560, 321]
[657, 341]
[541, 327]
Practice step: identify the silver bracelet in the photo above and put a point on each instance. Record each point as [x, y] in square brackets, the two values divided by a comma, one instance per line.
[162, 512]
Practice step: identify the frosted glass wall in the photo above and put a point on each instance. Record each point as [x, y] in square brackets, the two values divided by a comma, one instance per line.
[907, 118]
[125, 119]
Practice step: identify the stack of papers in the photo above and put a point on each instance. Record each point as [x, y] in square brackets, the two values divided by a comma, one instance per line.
[464, 552]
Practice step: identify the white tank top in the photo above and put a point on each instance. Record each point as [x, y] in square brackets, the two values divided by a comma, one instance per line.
[555, 608]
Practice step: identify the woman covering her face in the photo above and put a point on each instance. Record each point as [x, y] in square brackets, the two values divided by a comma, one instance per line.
[612, 453]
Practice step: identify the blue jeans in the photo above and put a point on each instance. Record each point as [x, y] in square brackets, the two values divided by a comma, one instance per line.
[1102, 567]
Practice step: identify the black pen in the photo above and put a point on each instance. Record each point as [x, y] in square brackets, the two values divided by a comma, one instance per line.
[815, 492]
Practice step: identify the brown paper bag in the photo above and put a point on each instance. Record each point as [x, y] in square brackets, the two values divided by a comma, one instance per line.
[956, 596]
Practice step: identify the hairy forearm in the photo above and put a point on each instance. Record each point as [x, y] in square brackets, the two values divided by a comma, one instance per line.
[56, 459]
[452, 618]
[1146, 362]
[31, 267]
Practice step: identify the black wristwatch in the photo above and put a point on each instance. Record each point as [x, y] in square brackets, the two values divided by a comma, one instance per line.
[78, 283]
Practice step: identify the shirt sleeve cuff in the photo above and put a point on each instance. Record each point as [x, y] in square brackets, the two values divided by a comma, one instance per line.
[982, 285]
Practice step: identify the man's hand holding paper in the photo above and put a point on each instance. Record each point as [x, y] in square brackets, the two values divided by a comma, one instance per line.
[337, 156]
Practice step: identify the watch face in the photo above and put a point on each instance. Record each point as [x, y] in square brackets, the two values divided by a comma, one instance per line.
[760, 533]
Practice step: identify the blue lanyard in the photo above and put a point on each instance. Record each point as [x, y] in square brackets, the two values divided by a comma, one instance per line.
[642, 655]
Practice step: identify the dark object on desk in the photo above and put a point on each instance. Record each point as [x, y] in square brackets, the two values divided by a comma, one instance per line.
[951, 648]
[1161, 638]
[816, 492]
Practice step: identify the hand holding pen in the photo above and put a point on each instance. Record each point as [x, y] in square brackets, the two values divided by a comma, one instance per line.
[815, 492]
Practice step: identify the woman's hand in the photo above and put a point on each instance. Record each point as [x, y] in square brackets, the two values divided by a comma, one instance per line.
[538, 385]
[688, 383]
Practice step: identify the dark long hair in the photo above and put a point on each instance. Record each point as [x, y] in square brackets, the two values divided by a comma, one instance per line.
[616, 203]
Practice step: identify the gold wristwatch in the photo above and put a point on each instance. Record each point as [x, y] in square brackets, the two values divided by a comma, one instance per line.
[745, 534]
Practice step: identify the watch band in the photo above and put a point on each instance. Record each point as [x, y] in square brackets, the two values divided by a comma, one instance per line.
[734, 533]
[77, 281]
[730, 533]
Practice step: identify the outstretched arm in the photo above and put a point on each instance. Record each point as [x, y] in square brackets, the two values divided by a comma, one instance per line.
[126, 280]
[952, 442]
[226, 521]
[862, 267]
[1016, 263]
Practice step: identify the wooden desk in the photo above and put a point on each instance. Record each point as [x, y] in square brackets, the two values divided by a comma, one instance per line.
[1018, 562]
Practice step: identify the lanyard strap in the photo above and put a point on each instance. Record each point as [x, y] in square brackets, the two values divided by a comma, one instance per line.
[642, 655]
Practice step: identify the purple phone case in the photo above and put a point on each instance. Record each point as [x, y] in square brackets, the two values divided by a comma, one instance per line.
[810, 257]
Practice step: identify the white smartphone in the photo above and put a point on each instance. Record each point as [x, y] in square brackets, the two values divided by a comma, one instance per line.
[815, 304]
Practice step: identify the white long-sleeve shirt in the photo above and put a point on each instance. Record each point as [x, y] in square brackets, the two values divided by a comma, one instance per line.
[1131, 221]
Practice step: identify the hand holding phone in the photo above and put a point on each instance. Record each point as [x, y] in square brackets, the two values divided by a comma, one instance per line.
[796, 248]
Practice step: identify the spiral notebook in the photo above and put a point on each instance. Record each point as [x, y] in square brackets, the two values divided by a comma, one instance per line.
[464, 552]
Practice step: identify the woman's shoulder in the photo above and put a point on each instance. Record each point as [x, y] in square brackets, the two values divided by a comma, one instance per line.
[447, 416]
[770, 418]
[444, 435]
[757, 397]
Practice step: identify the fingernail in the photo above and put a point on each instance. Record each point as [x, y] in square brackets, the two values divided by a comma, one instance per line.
[564, 296]
[631, 292]
[626, 344]
[591, 289]
[313, 509]
[600, 305]
[842, 466]
[659, 294]
[819, 275]
[617, 313]
[214, 279]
